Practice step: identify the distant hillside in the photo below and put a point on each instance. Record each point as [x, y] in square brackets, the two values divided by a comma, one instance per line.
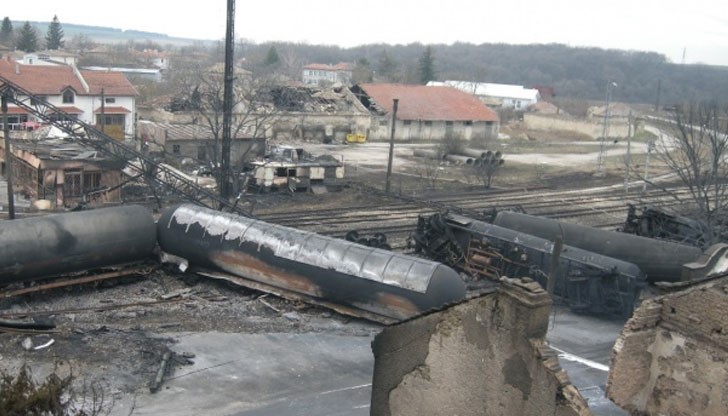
[573, 72]
[109, 35]
[642, 77]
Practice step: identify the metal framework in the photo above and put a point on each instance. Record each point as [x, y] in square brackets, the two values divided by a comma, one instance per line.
[84, 133]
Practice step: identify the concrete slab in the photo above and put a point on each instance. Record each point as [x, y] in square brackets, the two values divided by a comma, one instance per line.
[263, 374]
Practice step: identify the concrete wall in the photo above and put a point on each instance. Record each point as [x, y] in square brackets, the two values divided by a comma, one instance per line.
[240, 149]
[672, 356]
[592, 128]
[485, 356]
[319, 127]
[417, 130]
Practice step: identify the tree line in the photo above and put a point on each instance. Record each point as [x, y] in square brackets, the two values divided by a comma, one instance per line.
[26, 38]
[578, 72]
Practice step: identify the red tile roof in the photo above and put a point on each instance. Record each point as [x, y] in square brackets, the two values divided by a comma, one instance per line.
[113, 83]
[420, 102]
[70, 109]
[341, 66]
[112, 110]
[53, 79]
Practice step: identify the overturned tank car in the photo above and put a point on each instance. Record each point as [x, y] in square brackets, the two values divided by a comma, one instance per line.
[333, 271]
[46, 246]
[586, 281]
[661, 261]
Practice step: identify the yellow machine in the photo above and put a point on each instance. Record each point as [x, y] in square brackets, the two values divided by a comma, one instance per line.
[355, 138]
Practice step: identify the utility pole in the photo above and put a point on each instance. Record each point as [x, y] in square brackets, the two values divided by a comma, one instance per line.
[601, 159]
[8, 159]
[629, 152]
[395, 104]
[103, 111]
[227, 103]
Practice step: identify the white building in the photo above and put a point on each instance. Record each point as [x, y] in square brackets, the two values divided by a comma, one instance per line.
[496, 95]
[322, 74]
[95, 98]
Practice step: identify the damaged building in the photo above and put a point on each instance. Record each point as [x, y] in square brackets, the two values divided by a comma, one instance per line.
[47, 167]
[671, 356]
[320, 114]
[484, 356]
[293, 169]
[427, 113]
[196, 142]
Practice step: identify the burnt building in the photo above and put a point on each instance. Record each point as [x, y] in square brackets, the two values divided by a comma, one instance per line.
[63, 173]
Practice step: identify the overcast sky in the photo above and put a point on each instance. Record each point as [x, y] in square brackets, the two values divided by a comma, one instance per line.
[700, 27]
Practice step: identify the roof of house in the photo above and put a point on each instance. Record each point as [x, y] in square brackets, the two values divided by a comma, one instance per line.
[341, 66]
[53, 79]
[493, 90]
[420, 102]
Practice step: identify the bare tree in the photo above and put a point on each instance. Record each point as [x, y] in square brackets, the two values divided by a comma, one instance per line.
[253, 109]
[697, 153]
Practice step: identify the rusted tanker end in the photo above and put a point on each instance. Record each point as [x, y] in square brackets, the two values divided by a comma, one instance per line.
[325, 268]
[62, 243]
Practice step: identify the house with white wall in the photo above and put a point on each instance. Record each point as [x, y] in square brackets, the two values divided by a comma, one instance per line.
[427, 113]
[97, 98]
[324, 74]
[496, 95]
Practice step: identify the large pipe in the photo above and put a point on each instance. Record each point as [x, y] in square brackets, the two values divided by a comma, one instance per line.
[331, 270]
[55, 244]
[460, 160]
[474, 153]
[659, 260]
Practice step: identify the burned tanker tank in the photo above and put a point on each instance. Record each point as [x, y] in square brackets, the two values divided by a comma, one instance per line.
[324, 268]
[659, 260]
[70, 242]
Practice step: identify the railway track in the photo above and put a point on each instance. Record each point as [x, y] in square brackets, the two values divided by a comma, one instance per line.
[396, 217]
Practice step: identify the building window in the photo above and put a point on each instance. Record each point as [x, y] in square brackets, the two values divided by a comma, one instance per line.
[449, 123]
[91, 181]
[175, 149]
[428, 123]
[72, 183]
[383, 122]
[109, 100]
[468, 122]
[76, 182]
[68, 97]
[407, 122]
[201, 153]
[112, 119]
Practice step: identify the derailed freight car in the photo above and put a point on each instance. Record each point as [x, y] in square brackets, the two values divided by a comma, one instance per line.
[51, 245]
[586, 281]
[377, 281]
[661, 261]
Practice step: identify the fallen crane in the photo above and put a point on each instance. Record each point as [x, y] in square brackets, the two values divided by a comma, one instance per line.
[659, 260]
[62, 243]
[324, 269]
[586, 281]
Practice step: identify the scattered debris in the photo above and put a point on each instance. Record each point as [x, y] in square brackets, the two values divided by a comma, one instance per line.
[377, 240]
[155, 385]
[46, 345]
[654, 222]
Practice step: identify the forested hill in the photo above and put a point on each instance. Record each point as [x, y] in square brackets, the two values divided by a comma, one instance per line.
[573, 72]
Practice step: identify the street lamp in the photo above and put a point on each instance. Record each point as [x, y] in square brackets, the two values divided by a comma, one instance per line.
[605, 132]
